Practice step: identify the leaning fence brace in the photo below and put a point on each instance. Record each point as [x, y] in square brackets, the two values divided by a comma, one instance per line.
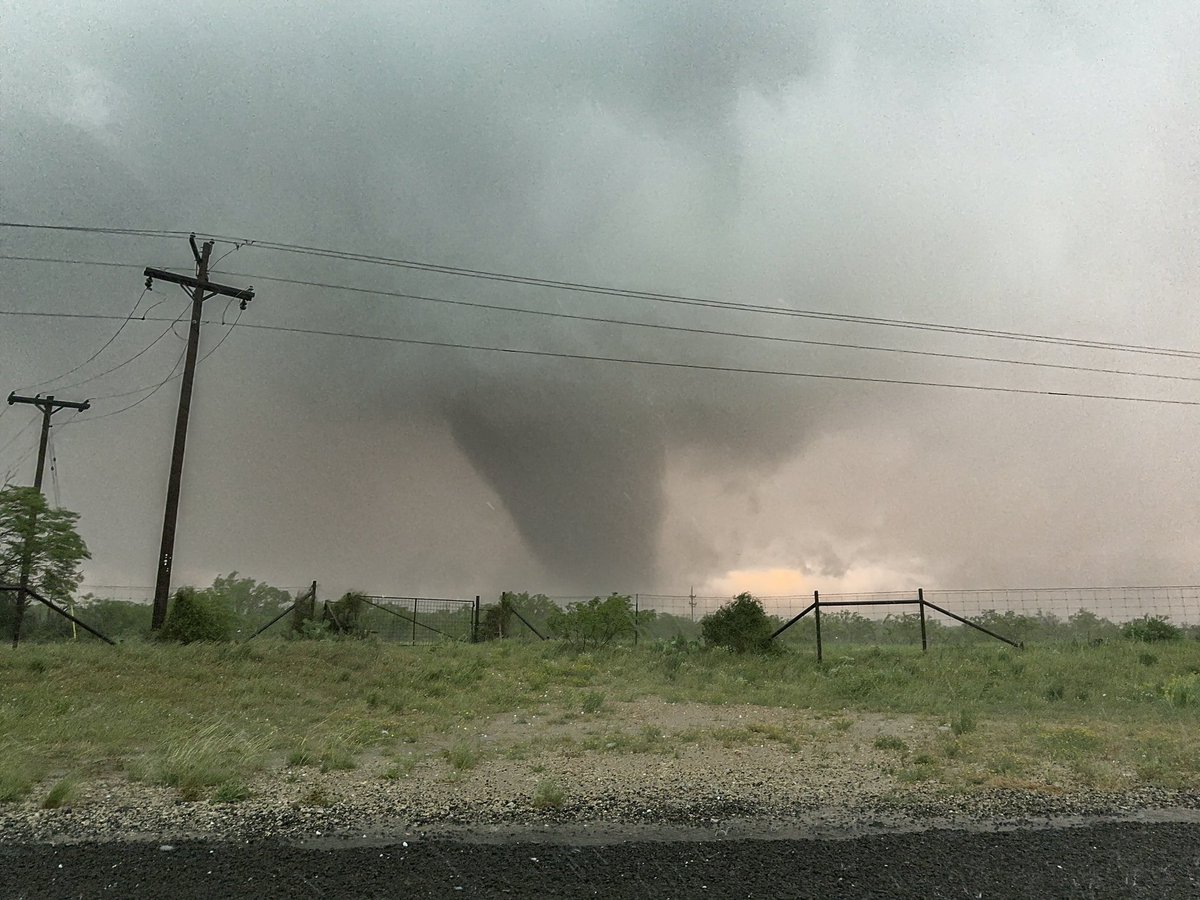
[920, 601]
[58, 609]
[309, 596]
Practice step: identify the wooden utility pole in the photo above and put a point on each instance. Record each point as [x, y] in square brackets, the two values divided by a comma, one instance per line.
[201, 290]
[49, 406]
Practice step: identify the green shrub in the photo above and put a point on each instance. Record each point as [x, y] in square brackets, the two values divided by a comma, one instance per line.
[197, 617]
[1150, 629]
[594, 623]
[742, 625]
[496, 621]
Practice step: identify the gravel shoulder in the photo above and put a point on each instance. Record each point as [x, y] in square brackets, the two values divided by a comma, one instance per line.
[713, 772]
[654, 799]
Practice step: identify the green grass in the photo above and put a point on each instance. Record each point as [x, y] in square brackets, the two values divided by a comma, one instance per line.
[207, 718]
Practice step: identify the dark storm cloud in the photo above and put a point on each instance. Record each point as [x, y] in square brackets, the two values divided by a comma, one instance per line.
[1012, 166]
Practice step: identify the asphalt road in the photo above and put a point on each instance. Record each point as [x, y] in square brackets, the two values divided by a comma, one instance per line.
[1103, 860]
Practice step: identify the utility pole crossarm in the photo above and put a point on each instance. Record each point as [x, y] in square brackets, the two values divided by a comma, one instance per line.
[42, 402]
[204, 285]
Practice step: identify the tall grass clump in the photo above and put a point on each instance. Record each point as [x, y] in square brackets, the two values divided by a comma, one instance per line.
[61, 793]
[197, 763]
[18, 774]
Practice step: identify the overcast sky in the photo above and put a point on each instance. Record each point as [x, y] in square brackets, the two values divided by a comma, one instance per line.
[1028, 167]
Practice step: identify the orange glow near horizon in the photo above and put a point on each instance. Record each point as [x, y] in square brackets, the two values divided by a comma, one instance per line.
[783, 581]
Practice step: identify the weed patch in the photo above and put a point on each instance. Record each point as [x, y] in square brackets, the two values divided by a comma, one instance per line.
[461, 757]
[1069, 742]
[548, 794]
[1182, 690]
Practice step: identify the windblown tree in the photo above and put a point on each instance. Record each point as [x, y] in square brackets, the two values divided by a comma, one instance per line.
[248, 599]
[40, 548]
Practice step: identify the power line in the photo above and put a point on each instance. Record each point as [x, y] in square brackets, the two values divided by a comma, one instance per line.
[714, 368]
[153, 390]
[103, 346]
[87, 229]
[712, 331]
[683, 329]
[686, 300]
[12, 440]
[675, 365]
[18, 462]
[583, 287]
[131, 359]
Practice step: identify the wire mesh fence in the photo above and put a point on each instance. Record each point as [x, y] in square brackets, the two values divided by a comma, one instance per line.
[1037, 615]
[1023, 615]
[418, 620]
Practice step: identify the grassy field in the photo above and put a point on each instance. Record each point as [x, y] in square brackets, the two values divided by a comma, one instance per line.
[208, 719]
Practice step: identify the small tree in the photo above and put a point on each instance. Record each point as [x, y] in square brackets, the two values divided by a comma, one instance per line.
[248, 599]
[594, 623]
[742, 625]
[41, 543]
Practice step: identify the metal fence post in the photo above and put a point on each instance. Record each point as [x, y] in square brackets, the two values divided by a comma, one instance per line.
[817, 616]
[921, 602]
[636, 601]
[414, 622]
[475, 623]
